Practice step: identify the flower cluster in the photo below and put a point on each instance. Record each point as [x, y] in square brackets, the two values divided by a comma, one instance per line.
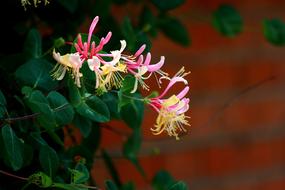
[110, 68]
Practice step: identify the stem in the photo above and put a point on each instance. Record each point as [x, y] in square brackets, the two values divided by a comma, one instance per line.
[131, 97]
[14, 176]
[31, 116]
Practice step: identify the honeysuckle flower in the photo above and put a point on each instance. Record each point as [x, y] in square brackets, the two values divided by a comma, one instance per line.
[68, 62]
[88, 50]
[171, 111]
[108, 72]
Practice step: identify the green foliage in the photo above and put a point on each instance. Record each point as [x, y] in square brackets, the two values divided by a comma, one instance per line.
[80, 174]
[110, 185]
[174, 29]
[180, 185]
[227, 20]
[167, 4]
[162, 180]
[13, 147]
[70, 5]
[33, 44]
[111, 167]
[49, 160]
[36, 74]
[274, 31]
[2, 105]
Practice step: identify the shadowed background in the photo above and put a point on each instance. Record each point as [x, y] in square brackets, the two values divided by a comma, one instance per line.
[237, 110]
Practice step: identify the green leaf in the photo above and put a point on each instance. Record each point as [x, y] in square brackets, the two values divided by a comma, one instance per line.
[70, 5]
[110, 185]
[84, 124]
[74, 93]
[148, 22]
[2, 99]
[274, 31]
[174, 30]
[180, 185]
[227, 20]
[124, 93]
[39, 104]
[3, 103]
[166, 5]
[49, 160]
[36, 73]
[33, 44]
[41, 180]
[95, 109]
[128, 186]
[63, 111]
[129, 33]
[36, 136]
[111, 100]
[132, 147]
[131, 106]
[13, 147]
[80, 174]
[111, 167]
[162, 180]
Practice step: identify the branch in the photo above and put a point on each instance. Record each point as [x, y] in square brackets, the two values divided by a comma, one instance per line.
[14, 176]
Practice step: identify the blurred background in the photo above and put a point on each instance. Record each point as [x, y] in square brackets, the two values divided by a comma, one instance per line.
[237, 109]
[236, 139]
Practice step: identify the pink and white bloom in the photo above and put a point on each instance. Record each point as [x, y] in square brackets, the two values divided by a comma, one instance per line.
[171, 111]
[68, 62]
[89, 49]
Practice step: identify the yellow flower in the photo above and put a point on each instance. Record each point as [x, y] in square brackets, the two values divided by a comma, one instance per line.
[36, 2]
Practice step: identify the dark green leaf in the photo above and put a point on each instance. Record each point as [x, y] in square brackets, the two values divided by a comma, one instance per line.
[36, 73]
[95, 109]
[13, 147]
[39, 104]
[111, 100]
[166, 5]
[84, 124]
[132, 147]
[274, 31]
[174, 29]
[111, 167]
[62, 109]
[180, 185]
[148, 22]
[129, 33]
[162, 180]
[110, 185]
[227, 20]
[125, 91]
[49, 160]
[36, 136]
[2, 99]
[3, 103]
[70, 5]
[128, 186]
[74, 93]
[80, 174]
[33, 44]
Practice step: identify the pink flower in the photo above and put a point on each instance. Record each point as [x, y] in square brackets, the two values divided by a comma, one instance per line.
[89, 49]
[171, 110]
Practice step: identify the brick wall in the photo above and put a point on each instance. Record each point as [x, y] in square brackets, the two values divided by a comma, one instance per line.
[236, 140]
